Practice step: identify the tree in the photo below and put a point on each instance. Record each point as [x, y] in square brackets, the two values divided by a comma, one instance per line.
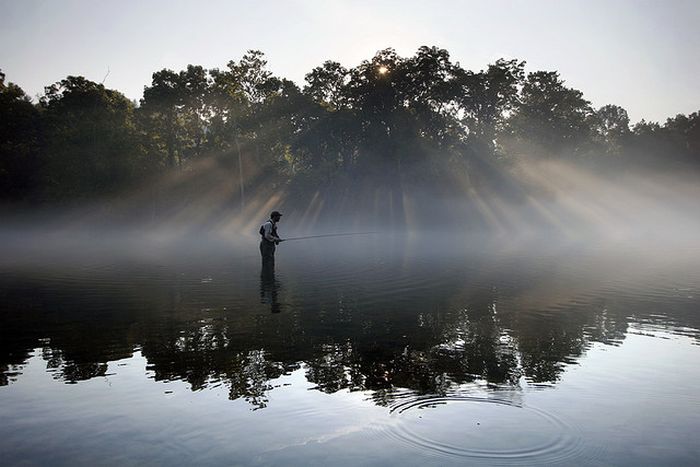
[487, 98]
[387, 126]
[551, 119]
[676, 144]
[402, 107]
[241, 92]
[327, 85]
[427, 89]
[19, 142]
[613, 127]
[91, 144]
[684, 133]
[177, 110]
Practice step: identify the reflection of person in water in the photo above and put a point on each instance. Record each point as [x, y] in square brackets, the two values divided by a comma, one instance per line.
[269, 287]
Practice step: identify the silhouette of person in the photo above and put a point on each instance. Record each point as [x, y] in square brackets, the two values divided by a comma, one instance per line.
[269, 239]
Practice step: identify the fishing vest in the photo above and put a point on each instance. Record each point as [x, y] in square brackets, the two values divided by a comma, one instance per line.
[273, 231]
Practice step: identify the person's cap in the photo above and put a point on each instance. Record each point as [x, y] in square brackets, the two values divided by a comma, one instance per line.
[275, 214]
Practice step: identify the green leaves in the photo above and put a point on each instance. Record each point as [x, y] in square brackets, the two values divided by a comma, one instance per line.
[419, 119]
[20, 139]
[90, 140]
[551, 119]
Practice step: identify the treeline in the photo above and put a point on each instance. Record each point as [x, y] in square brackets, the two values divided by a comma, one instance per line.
[421, 122]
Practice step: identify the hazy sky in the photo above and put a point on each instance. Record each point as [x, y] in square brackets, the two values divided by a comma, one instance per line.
[642, 55]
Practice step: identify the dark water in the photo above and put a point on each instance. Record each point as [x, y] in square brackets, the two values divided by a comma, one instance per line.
[380, 350]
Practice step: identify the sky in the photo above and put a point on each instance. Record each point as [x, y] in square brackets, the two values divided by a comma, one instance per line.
[641, 54]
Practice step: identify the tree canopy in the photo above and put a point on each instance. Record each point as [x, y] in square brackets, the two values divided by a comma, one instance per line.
[388, 123]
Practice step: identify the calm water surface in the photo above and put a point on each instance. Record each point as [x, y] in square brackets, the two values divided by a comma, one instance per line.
[375, 350]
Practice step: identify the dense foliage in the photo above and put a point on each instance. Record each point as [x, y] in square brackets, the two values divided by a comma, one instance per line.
[390, 122]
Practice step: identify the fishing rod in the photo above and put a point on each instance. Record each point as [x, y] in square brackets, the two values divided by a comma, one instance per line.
[328, 235]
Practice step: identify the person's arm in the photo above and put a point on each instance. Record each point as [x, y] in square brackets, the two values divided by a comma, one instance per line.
[268, 233]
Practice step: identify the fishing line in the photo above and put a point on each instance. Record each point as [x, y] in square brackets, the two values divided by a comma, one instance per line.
[327, 235]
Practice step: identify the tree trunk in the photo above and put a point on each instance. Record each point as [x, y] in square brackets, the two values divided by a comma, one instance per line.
[171, 142]
[240, 172]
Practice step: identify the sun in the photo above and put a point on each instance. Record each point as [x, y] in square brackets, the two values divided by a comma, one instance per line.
[382, 70]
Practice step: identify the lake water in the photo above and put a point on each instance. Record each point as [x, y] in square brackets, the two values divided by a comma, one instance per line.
[369, 350]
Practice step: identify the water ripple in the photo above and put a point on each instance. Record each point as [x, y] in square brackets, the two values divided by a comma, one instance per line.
[484, 428]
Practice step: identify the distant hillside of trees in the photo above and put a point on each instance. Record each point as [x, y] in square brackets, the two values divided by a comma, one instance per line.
[393, 122]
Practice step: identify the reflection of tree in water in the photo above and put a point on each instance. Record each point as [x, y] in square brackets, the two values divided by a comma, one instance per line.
[77, 337]
[445, 350]
[71, 371]
[429, 345]
[203, 355]
[249, 376]
[548, 341]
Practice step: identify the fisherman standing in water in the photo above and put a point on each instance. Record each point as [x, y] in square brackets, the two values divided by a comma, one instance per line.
[268, 232]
